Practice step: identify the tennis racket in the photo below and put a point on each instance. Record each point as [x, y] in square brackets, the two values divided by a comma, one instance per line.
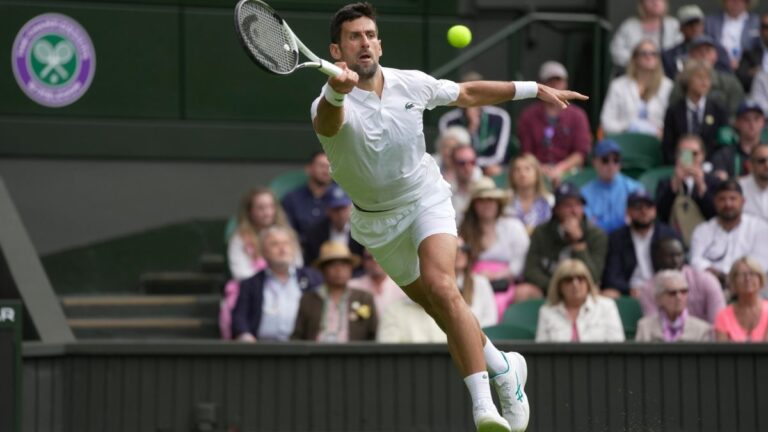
[271, 43]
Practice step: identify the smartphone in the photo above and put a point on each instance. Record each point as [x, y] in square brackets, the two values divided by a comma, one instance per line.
[686, 157]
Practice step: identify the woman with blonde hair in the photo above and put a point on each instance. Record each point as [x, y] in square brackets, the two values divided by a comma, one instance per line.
[575, 311]
[637, 101]
[746, 320]
[651, 22]
[530, 200]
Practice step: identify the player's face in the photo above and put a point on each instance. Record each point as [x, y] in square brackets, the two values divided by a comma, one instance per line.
[359, 47]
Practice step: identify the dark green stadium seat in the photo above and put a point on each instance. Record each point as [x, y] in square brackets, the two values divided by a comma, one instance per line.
[287, 182]
[639, 152]
[508, 332]
[651, 178]
[630, 312]
[501, 179]
[582, 177]
[523, 315]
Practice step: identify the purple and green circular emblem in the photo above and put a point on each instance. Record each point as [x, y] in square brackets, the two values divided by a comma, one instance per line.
[53, 60]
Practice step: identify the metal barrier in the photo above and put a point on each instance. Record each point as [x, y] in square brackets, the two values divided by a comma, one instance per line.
[10, 365]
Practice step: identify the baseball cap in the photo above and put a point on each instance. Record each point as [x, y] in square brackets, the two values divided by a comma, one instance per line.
[567, 190]
[552, 69]
[336, 197]
[606, 147]
[689, 13]
[702, 40]
[639, 196]
[747, 106]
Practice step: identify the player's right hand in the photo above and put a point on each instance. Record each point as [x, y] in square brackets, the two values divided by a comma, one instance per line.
[345, 82]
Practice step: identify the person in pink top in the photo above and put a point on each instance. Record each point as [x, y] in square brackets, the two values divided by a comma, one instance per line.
[376, 282]
[746, 319]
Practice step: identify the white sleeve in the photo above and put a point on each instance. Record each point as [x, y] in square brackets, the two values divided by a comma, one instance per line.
[613, 118]
[614, 330]
[437, 92]
[699, 241]
[239, 262]
[520, 242]
[483, 302]
[542, 335]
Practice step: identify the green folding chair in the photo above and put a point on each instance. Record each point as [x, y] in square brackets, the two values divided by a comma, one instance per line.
[651, 178]
[582, 177]
[287, 181]
[508, 332]
[639, 152]
[523, 315]
[630, 313]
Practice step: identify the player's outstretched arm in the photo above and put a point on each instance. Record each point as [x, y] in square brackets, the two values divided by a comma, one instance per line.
[479, 93]
[330, 110]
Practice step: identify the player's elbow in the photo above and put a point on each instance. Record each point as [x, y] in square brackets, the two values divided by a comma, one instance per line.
[325, 129]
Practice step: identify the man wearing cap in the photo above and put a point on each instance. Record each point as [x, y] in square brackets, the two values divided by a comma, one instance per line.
[335, 312]
[734, 27]
[724, 87]
[334, 227]
[754, 59]
[559, 138]
[607, 194]
[755, 185]
[691, 19]
[733, 160]
[730, 235]
[568, 234]
[628, 264]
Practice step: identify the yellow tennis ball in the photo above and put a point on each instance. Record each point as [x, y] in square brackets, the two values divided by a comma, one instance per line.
[459, 36]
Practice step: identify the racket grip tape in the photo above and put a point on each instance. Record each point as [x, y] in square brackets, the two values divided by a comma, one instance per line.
[329, 69]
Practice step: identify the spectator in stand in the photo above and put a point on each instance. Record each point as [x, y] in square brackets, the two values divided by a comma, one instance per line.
[637, 101]
[465, 162]
[724, 88]
[628, 264]
[735, 28]
[759, 91]
[754, 59]
[452, 137]
[531, 201]
[755, 185]
[719, 242]
[268, 303]
[575, 311]
[559, 138]
[405, 321]
[673, 323]
[705, 294]
[651, 22]
[733, 160]
[377, 283]
[497, 244]
[607, 194]
[567, 235]
[475, 288]
[489, 126]
[304, 205]
[335, 312]
[691, 19]
[696, 114]
[746, 320]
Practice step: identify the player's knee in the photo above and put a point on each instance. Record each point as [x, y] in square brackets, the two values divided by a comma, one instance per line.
[444, 296]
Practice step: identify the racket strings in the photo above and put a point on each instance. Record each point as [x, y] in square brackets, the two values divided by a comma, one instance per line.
[267, 39]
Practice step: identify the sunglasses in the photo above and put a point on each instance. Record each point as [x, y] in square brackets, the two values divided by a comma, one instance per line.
[675, 292]
[465, 162]
[610, 159]
[760, 161]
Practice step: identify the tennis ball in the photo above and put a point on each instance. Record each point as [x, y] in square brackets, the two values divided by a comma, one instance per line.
[459, 36]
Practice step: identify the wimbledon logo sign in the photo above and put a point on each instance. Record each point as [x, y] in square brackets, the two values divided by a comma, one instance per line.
[53, 60]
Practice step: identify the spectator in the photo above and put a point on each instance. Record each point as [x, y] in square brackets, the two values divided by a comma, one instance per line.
[753, 60]
[269, 301]
[628, 264]
[567, 235]
[705, 294]
[476, 289]
[335, 312]
[746, 319]
[755, 186]
[335, 227]
[497, 244]
[304, 205]
[734, 27]
[724, 88]
[559, 138]
[731, 234]
[672, 323]
[452, 137]
[607, 194]
[732, 160]
[759, 91]
[691, 19]
[489, 126]
[405, 321]
[651, 22]
[531, 202]
[376, 282]
[465, 161]
[637, 101]
[575, 311]
[696, 114]
[686, 199]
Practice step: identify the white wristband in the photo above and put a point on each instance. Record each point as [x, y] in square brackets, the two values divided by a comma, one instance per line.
[525, 89]
[333, 97]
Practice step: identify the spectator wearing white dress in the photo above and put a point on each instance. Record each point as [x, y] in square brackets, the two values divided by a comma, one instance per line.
[651, 22]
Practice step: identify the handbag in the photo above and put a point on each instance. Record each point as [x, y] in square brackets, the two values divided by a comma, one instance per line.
[685, 216]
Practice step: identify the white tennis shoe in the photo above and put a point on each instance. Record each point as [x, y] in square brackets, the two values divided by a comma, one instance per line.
[510, 386]
[487, 419]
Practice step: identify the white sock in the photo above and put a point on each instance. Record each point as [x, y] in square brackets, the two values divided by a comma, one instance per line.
[494, 359]
[479, 388]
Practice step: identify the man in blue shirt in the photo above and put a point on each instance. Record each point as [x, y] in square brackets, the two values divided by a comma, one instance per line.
[304, 205]
[607, 194]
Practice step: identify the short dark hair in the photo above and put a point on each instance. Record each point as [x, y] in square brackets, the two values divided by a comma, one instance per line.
[314, 155]
[728, 185]
[350, 12]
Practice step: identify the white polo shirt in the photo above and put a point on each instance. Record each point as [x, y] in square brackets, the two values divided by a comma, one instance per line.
[755, 198]
[379, 156]
[711, 246]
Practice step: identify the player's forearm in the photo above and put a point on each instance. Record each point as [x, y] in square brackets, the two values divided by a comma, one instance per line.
[479, 93]
[329, 119]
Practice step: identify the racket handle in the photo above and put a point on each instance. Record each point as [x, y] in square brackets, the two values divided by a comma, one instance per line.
[330, 69]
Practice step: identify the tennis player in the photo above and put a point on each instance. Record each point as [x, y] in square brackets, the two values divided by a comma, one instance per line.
[369, 121]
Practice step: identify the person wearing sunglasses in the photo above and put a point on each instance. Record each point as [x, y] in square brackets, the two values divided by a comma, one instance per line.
[733, 160]
[465, 167]
[755, 185]
[745, 320]
[607, 194]
[652, 21]
[673, 323]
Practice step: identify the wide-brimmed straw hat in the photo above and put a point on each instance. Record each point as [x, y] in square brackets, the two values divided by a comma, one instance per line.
[485, 187]
[335, 251]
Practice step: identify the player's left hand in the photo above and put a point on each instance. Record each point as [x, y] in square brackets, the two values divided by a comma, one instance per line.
[560, 98]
